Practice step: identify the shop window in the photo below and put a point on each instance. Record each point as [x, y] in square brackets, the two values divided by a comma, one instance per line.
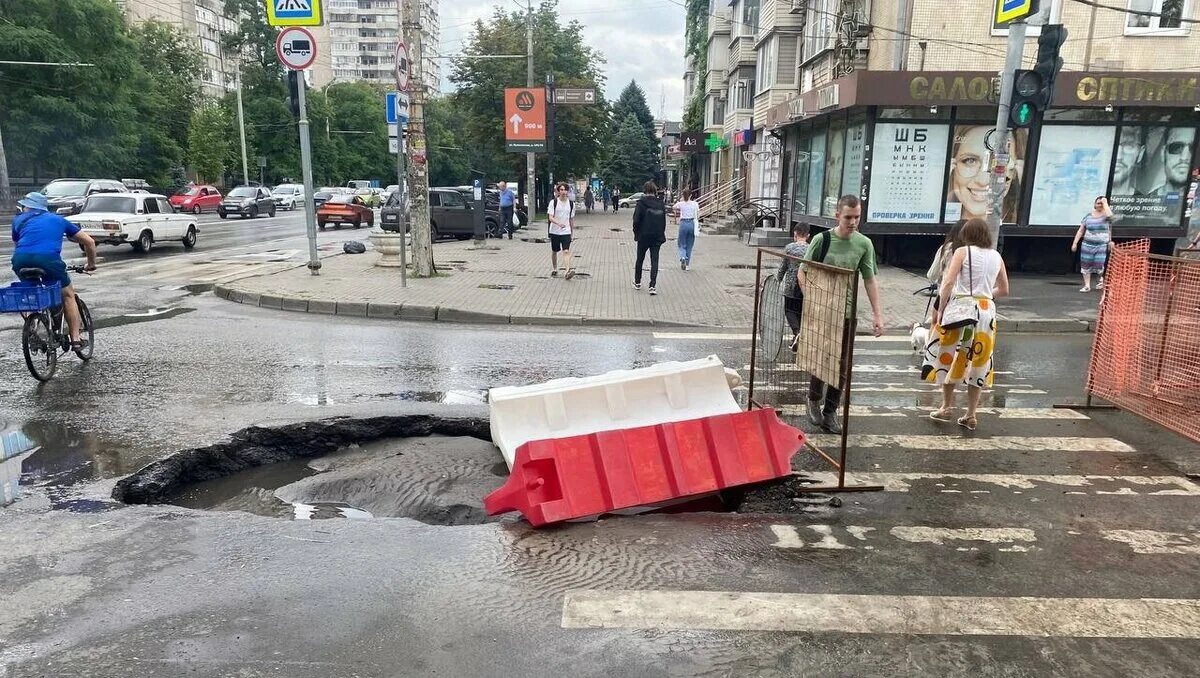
[1167, 22]
[1080, 115]
[1072, 169]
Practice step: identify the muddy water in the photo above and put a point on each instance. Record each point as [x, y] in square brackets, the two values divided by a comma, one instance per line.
[438, 480]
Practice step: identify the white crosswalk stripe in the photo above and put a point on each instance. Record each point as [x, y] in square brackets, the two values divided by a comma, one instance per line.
[1018, 483]
[958, 443]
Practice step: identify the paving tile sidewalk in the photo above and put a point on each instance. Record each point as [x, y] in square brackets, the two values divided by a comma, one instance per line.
[509, 282]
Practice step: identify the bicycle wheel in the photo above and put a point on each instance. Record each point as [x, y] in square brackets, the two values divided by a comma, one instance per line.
[87, 331]
[39, 345]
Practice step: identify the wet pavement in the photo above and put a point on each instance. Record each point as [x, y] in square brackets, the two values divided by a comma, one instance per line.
[1069, 530]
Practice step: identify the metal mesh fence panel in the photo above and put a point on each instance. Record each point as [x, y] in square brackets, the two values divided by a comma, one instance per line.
[1146, 356]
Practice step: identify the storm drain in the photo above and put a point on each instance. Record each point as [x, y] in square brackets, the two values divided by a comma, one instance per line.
[494, 286]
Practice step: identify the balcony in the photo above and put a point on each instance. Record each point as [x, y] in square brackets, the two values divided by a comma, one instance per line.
[741, 52]
[715, 82]
[718, 22]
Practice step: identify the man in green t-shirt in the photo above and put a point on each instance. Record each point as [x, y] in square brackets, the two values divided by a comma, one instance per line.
[845, 248]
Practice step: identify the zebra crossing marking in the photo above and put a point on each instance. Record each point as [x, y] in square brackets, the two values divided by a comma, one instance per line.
[1153, 542]
[883, 614]
[1019, 483]
[968, 444]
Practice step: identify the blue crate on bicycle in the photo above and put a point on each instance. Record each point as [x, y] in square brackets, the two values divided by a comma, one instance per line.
[25, 297]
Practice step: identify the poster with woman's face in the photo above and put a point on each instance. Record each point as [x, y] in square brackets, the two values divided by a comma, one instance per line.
[967, 189]
[834, 159]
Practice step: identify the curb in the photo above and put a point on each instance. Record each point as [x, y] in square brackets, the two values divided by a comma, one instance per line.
[426, 313]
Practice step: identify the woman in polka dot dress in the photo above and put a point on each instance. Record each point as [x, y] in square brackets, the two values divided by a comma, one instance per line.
[963, 355]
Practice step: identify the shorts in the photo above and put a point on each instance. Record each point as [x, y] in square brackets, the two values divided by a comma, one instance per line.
[560, 243]
[52, 264]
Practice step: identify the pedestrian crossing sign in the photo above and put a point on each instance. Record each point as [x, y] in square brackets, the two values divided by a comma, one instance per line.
[294, 12]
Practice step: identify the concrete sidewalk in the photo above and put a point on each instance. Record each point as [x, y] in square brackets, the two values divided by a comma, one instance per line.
[509, 282]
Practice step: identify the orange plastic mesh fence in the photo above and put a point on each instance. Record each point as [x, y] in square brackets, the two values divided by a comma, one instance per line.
[1146, 356]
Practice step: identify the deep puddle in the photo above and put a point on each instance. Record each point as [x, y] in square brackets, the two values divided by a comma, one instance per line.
[53, 460]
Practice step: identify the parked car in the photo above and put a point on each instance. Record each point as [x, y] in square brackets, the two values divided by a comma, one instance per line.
[66, 196]
[388, 192]
[370, 196]
[196, 199]
[344, 208]
[247, 201]
[630, 200]
[287, 196]
[392, 213]
[137, 219]
[321, 195]
[491, 198]
[451, 214]
[356, 184]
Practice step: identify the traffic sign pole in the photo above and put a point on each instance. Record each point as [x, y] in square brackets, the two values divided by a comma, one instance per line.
[310, 210]
[1012, 61]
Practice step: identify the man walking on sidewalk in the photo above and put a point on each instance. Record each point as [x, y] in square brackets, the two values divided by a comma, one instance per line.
[843, 247]
[561, 215]
[507, 199]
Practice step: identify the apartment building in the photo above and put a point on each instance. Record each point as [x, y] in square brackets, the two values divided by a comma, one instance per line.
[205, 20]
[360, 36]
[890, 100]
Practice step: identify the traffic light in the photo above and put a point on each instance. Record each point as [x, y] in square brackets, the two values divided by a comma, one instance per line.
[293, 100]
[1033, 90]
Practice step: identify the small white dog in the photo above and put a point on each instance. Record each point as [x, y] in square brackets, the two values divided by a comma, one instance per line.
[919, 336]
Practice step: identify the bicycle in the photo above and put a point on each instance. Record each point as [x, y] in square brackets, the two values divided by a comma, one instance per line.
[45, 333]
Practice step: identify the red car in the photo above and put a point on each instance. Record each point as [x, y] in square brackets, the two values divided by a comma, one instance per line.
[196, 199]
[345, 208]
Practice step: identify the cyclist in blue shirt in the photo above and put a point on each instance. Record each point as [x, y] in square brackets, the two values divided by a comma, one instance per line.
[507, 199]
[38, 234]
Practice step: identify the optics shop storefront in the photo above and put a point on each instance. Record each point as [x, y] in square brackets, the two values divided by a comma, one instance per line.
[915, 147]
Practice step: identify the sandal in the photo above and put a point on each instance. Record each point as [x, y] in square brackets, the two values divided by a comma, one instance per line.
[1085, 289]
[570, 273]
[968, 423]
[942, 415]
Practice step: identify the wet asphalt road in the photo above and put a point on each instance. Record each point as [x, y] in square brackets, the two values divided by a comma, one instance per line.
[99, 590]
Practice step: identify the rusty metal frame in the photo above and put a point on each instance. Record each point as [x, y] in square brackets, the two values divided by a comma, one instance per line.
[846, 373]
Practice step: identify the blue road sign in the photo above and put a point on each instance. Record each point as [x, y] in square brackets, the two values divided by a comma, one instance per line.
[396, 104]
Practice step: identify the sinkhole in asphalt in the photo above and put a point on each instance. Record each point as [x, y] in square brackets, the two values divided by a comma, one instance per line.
[431, 469]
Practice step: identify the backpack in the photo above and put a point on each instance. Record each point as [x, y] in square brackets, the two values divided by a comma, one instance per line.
[822, 248]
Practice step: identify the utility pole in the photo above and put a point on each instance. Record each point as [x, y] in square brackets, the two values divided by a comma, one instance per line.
[6, 201]
[422, 240]
[310, 210]
[530, 158]
[999, 144]
[242, 128]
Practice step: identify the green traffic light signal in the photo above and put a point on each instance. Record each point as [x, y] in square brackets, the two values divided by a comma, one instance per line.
[1022, 115]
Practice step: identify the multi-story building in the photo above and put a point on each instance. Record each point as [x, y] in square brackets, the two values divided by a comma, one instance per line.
[206, 21]
[360, 36]
[894, 102]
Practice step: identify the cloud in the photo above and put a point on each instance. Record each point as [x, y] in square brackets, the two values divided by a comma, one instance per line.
[640, 40]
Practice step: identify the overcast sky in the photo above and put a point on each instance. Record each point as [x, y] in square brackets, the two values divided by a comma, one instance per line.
[640, 40]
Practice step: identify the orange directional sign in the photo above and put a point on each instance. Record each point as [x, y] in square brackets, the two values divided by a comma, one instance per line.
[525, 119]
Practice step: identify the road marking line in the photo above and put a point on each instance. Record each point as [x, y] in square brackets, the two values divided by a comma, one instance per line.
[923, 412]
[883, 614]
[1152, 542]
[888, 388]
[902, 482]
[862, 369]
[917, 534]
[699, 336]
[957, 443]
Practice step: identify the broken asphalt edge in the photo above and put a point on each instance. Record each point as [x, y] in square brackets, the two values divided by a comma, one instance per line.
[257, 446]
[450, 314]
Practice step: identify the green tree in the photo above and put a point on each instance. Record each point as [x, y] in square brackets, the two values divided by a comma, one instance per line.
[449, 157]
[696, 47]
[558, 49]
[632, 102]
[359, 131]
[68, 120]
[168, 93]
[209, 142]
[630, 163]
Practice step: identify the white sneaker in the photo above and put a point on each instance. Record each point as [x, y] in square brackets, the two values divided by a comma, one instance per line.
[653, 291]
[1085, 289]
[637, 286]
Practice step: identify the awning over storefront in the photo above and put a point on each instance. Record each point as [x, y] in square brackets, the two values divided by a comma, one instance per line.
[973, 88]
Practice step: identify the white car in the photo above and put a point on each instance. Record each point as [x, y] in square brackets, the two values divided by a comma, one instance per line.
[287, 196]
[138, 219]
[630, 200]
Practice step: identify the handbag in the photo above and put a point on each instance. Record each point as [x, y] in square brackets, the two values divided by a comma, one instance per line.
[962, 309]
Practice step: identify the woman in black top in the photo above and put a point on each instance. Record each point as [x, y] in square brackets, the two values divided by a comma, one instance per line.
[650, 232]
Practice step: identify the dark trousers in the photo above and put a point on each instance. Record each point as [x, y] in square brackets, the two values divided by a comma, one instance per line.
[792, 308]
[818, 389]
[642, 248]
[506, 213]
